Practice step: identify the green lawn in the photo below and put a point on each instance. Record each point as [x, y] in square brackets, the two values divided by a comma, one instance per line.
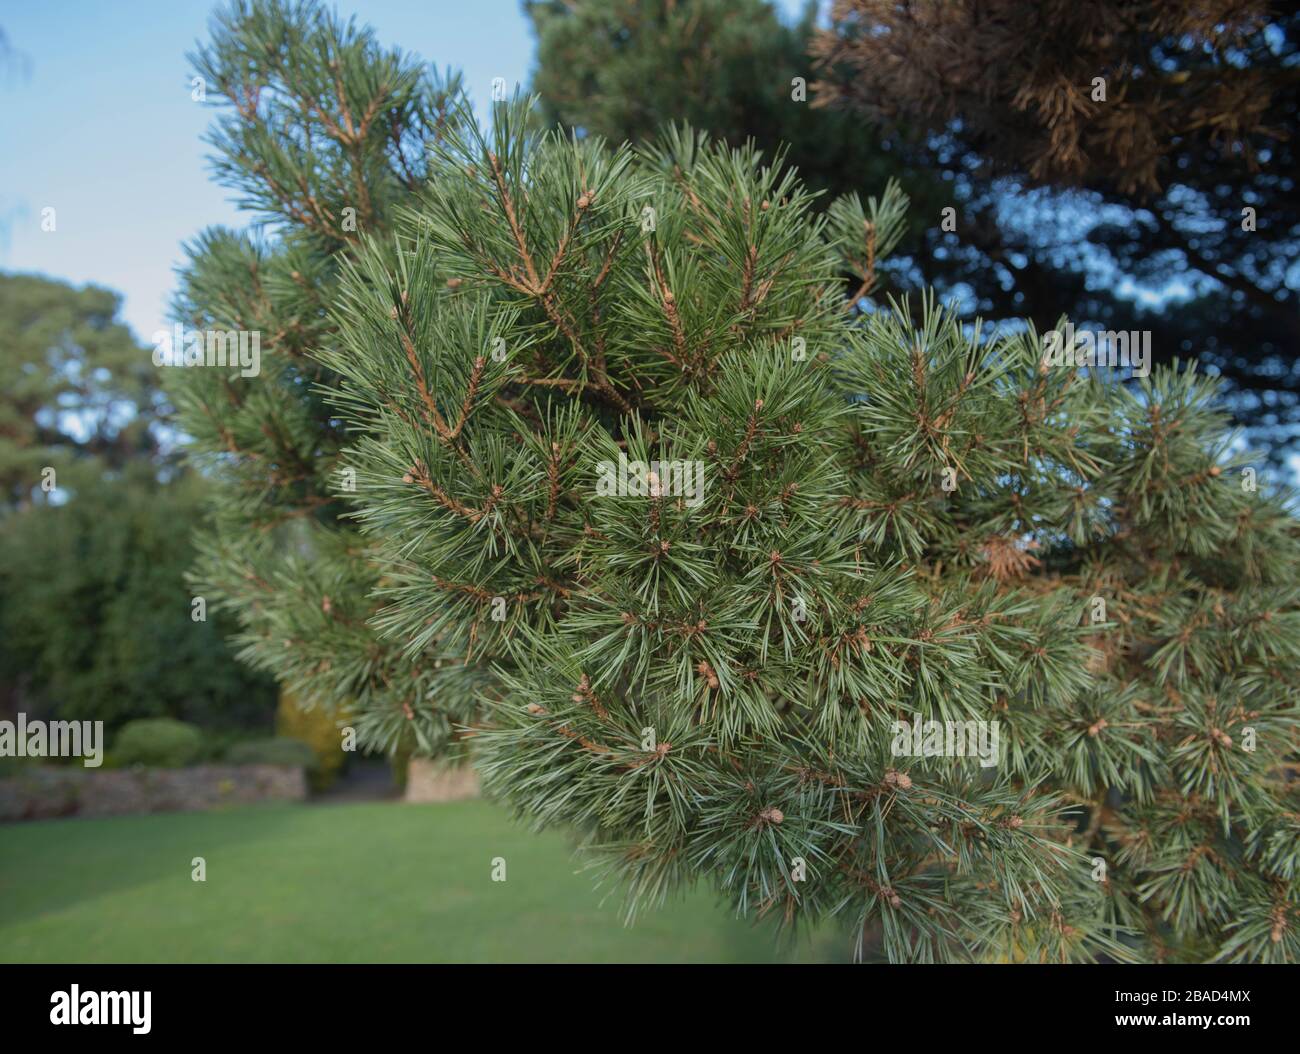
[372, 882]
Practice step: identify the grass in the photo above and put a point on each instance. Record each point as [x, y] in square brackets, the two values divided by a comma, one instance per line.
[369, 882]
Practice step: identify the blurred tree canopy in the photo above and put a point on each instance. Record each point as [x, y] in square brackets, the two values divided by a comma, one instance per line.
[95, 615]
[1167, 128]
[76, 391]
[623, 68]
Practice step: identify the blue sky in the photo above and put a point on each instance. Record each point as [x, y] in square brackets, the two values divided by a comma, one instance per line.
[96, 121]
[100, 126]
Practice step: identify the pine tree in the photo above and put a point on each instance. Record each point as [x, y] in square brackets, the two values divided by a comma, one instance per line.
[719, 676]
[323, 135]
[688, 537]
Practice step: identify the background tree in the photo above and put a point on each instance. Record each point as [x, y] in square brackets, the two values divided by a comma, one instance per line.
[95, 617]
[624, 69]
[900, 522]
[1197, 125]
[79, 393]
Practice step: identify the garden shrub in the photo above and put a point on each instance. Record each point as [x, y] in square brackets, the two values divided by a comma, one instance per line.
[160, 742]
[274, 750]
[319, 729]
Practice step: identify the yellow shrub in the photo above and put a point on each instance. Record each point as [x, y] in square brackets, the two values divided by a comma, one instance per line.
[319, 728]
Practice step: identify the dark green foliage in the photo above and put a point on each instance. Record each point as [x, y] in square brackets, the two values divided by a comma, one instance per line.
[95, 527]
[621, 68]
[96, 617]
[1179, 182]
[159, 742]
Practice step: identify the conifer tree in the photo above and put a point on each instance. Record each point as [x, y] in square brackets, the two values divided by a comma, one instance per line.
[727, 538]
[697, 545]
[323, 133]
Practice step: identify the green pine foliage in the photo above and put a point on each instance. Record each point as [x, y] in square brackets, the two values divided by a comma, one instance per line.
[898, 520]
[322, 133]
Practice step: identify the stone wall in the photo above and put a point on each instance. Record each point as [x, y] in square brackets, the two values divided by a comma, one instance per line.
[45, 792]
[433, 781]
